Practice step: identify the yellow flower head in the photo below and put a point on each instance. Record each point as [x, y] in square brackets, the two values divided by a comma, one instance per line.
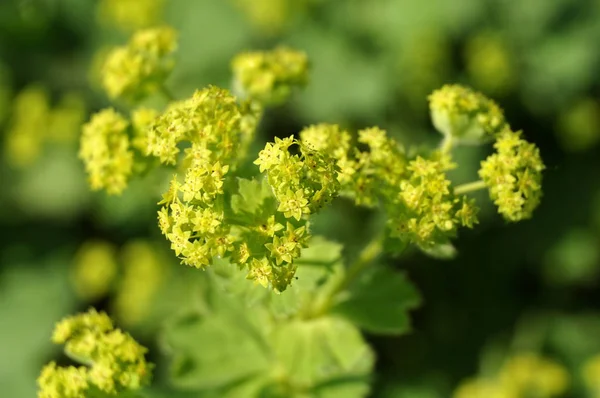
[210, 119]
[514, 176]
[106, 152]
[270, 76]
[140, 68]
[530, 373]
[58, 382]
[115, 360]
[464, 114]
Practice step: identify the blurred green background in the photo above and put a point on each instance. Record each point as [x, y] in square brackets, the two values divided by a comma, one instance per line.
[532, 286]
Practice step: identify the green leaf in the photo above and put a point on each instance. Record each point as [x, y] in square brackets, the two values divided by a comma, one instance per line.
[241, 340]
[218, 343]
[319, 266]
[254, 200]
[379, 302]
[233, 280]
[323, 355]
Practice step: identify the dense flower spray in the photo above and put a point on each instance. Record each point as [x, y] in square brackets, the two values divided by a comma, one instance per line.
[209, 213]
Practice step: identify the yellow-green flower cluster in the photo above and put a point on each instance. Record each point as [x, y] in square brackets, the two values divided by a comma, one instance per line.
[210, 120]
[35, 123]
[142, 120]
[514, 176]
[192, 216]
[269, 76]
[63, 382]
[115, 361]
[215, 130]
[417, 196]
[140, 68]
[274, 266]
[363, 175]
[465, 115]
[522, 376]
[429, 213]
[380, 169]
[302, 183]
[336, 143]
[105, 150]
[130, 15]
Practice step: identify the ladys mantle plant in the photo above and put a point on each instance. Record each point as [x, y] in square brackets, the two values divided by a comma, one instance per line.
[281, 312]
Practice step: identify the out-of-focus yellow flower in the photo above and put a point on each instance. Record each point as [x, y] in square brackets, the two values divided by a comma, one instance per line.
[532, 374]
[116, 361]
[94, 269]
[106, 152]
[34, 123]
[489, 64]
[140, 68]
[591, 375]
[143, 274]
[521, 376]
[270, 76]
[483, 388]
[579, 125]
[130, 15]
[29, 121]
[271, 16]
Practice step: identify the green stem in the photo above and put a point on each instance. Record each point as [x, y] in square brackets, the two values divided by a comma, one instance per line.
[469, 187]
[447, 144]
[368, 254]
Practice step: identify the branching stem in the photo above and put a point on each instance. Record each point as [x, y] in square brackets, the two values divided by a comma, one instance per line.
[366, 257]
[469, 187]
[447, 144]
